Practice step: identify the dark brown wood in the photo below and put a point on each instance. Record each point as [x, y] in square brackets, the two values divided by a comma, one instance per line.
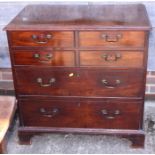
[138, 141]
[112, 39]
[111, 58]
[44, 58]
[48, 113]
[97, 73]
[66, 82]
[137, 137]
[120, 114]
[58, 38]
[114, 114]
[25, 138]
[70, 82]
[111, 83]
[80, 17]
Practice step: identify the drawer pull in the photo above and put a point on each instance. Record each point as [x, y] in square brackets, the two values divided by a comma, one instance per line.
[41, 39]
[111, 38]
[51, 81]
[108, 85]
[110, 57]
[108, 115]
[49, 113]
[48, 57]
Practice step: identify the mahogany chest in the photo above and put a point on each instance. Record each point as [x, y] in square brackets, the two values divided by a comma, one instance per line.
[80, 69]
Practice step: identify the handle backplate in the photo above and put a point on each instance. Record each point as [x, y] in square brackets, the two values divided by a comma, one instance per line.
[111, 57]
[49, 113]
[110, 115]
[40, 82]
[110, 85]
[41, 38]
[48, 57]
[111, 37]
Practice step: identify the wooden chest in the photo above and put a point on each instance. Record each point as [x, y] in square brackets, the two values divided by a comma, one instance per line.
[80, 69]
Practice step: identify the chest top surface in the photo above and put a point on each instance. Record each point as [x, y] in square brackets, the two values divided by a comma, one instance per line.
[74, 17]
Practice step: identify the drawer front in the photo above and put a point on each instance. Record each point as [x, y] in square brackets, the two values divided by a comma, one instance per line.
[47, 81]
[115, 114]
[112, 39]
[42, 38]
[112, 83]
[48, 58]
[109, 114]
[111, 59]
[50, 113]
[69, 82]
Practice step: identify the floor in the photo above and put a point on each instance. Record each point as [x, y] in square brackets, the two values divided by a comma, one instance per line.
[90, 144]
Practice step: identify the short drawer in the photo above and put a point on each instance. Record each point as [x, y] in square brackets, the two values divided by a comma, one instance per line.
[112, 39]
[83, 82]
[115, 114]
[42, 38]
[51, 113]
[108, 113]
[48, 58]
[111, 58]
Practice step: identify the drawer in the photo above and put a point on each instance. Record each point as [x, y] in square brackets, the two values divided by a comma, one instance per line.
[85, 82]
[111, 58]
[51, 113]
[48, 58]
[112, 39]
[112, 82]
[42, 38]
[109, 114]
[115, 114]
[47, 81]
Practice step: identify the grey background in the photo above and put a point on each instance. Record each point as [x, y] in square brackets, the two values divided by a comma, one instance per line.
[8, 10]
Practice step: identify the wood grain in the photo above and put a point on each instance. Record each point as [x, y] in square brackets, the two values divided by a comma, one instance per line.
[58, 58]
[78, 82]
[81, 17]
[58, 38]
[128, 39]
[112, 59]
[95, 95]
[81, 114]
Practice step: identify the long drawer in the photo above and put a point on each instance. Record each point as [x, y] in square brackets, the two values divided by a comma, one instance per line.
[112, 114]
[79, 82]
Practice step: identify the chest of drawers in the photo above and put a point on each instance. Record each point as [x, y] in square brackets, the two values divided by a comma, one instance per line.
[80, 69]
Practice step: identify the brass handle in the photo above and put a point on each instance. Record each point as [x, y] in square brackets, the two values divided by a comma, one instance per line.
[108, 85]
[48, 57]
[108, 115]
[41, 39]
[110, 57]
[49, 113]
[111, 38]
[51, 81]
